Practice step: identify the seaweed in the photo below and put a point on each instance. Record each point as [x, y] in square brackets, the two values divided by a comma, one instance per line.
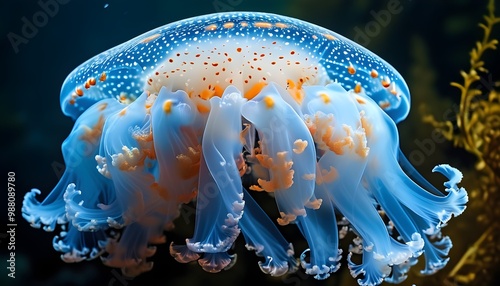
[476, 129]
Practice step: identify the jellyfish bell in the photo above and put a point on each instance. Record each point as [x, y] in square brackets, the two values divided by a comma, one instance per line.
[203, 55]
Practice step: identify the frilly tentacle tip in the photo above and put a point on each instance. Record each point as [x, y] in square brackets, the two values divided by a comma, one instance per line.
[216, 262]
[182, 254]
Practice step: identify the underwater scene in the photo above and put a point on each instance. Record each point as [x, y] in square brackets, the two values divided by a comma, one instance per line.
[219, 141]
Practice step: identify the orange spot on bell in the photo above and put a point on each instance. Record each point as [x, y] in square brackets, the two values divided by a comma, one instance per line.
[393, 89]
[281, 25]
[167, 106]
[92, 81]
[325, 97]
[269, 101]
[384, 104]
[79, 91]
[386, 82]
[374, 74]
[202, 108]
[351, 69]
[206, 94]
[329, 37]
[103, 76]
[254, 90]
[150, 38]
[360, 100]
[263, 25]
[212, 27]
[357, 88]
[218, 90]
[228, 25]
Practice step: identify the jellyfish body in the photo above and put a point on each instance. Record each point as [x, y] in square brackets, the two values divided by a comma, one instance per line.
[185, 112]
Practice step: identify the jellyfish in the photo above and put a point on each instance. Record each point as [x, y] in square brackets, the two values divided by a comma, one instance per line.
[213, 109]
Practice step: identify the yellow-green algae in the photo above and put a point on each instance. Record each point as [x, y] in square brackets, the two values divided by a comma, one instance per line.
[476, 129]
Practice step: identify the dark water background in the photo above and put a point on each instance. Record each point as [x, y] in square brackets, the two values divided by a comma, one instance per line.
[427, 41]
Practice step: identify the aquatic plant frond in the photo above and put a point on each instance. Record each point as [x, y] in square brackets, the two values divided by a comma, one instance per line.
[467, 131]
[477, 130]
